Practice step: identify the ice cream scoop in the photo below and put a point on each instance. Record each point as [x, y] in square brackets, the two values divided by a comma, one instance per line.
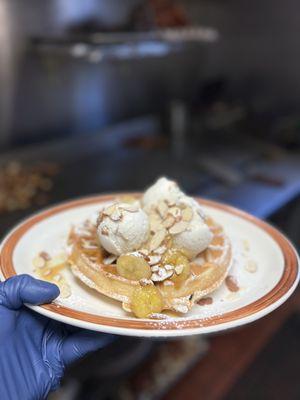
[162, 190]
[187, 225]
[194, 239]
[123, 228]
[167, 190]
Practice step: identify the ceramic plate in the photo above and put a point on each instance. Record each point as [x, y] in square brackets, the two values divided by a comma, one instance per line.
[268, 282]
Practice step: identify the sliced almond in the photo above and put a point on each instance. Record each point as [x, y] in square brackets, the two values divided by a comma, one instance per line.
[157, 239]
[169, 267]
[47, 272]
[155, 277]
[129, 207]
[161, 275]
[168, 283]
[144, 252]
[58, 261]
[178, 269]
[128, 199]
[154, 268]
[179, 227]
[57, 278]
[175, 211]
[39, 262]
[187, 214]
[169, 242]
[251, 266]
[109, 210]
[160, 250]
[154, 259]
[170, 203]
[182, 308]
[146, 282]
[116, 215]
[162, 209]
[169, 221]
[45, 255]
[104, 231]
[100, 218]
[88, 244]
[65, 289]
[109, 260]
[155, 222]
[246, 245]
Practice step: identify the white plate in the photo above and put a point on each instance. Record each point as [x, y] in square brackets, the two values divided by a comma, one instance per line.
[261, 292]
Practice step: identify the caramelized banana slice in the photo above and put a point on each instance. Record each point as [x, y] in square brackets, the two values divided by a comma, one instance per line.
[182, 269]
[146, 300]
[133, 268]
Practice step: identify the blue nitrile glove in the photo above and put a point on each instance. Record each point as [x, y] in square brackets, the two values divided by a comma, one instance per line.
[34, 350]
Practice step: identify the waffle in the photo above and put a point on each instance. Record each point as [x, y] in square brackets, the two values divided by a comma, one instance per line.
[208, 271]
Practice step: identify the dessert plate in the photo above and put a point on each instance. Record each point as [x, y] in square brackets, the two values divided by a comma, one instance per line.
[265, 267]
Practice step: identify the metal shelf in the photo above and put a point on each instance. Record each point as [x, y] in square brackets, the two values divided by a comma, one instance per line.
[100, 47]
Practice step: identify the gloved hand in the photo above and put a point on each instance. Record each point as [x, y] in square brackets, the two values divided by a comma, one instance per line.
[34, 350]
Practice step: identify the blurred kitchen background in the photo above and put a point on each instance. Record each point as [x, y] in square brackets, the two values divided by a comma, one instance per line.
[106, 95]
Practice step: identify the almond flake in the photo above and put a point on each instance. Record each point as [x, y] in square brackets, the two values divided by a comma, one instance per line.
[181, 308]
[100, 218]
[175, 211]
[155, 223]
[47, 272]
[65, 289]
[116, 215]
[251, 266]
[155, 277]
[57, 278]
[45, 255]
[169, 221]
[88, 244]
[104, 231]
[129, 207]
[127, 198]
[178, 269]
[157, 239]
[170, 203]
[187, 214]
[109, 210]
[161, 275]
[145, 282]
[169, 267]
[39, 262]
[179, 227]
[160, 250]
[154, 268]
[168, 283]
[109, 260]
[246, 245]
[154, 259]
[144, 252]
[169, 242]
[162, 209]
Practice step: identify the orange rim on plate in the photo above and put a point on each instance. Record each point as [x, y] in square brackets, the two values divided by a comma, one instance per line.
[285, 283]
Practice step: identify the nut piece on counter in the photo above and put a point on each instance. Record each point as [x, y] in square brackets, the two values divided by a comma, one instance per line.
[22, 186]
